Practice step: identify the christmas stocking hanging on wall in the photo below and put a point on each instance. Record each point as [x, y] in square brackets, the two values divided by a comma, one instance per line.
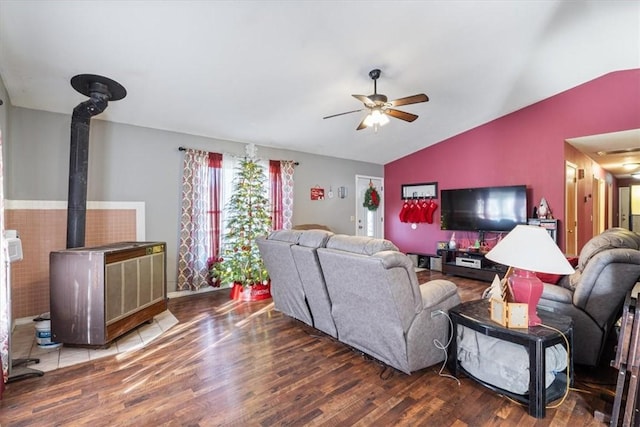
[404, 211]
[424, 209]
[411, 216]
[431, 208]
[417, 212]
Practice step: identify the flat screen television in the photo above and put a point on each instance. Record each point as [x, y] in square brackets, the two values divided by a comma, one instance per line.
[483, 209]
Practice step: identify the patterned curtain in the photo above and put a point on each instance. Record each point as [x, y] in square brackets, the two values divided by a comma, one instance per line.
[286, 175]
[195, 236]
[5, 309]
[275, 182]
[281, 193]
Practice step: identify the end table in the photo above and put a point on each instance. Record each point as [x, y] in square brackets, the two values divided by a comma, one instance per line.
[476, 316]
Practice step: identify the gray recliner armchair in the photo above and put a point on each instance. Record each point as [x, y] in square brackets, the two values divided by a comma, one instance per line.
[593, 296]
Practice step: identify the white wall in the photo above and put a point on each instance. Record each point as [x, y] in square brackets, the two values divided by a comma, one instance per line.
[130, 163]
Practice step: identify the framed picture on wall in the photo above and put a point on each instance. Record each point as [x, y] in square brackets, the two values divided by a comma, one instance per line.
[423, 190]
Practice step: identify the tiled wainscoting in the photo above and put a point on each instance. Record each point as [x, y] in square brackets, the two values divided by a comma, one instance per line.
[42, 227]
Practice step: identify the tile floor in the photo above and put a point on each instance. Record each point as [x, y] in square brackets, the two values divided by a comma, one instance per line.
[23, 344]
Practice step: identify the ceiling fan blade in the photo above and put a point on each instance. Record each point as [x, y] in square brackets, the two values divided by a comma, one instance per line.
[365, 100]
[362, 125]
[410, 100]
[407, 117]
[342, 114]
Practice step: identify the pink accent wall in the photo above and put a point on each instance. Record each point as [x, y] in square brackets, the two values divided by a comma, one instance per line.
[524, 147]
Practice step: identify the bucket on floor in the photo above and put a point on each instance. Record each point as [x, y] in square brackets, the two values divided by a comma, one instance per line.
[43, 331]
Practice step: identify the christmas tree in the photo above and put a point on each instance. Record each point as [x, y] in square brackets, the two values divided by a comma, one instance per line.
[248, 213]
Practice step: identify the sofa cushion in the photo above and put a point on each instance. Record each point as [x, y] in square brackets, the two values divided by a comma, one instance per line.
[557, 293]
[314, 238]
[290, 236]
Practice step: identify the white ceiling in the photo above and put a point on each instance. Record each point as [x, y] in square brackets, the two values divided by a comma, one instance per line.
[612, 151]
[266, 72]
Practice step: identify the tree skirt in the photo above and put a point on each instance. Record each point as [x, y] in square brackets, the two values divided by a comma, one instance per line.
[251, 293]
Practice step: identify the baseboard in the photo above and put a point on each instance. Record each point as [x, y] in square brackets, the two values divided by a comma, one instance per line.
[178, 294]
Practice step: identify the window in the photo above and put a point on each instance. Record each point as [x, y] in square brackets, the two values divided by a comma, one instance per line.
[208, 182]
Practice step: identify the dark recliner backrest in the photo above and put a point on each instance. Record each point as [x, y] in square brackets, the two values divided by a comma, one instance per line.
[609, 239]
[608, 268]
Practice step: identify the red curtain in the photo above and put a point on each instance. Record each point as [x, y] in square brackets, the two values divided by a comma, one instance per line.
[215, 188]
[275, 179]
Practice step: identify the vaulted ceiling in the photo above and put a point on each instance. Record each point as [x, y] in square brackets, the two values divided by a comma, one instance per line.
[267, 72]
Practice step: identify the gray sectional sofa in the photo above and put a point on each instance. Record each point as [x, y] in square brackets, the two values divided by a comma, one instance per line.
[362, 291]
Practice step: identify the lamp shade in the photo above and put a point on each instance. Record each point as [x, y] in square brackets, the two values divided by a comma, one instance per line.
[530, 248]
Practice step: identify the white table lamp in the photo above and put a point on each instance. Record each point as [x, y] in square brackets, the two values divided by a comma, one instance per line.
[529, 249]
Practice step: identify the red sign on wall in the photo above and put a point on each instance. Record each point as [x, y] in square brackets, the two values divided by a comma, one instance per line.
[317, 193]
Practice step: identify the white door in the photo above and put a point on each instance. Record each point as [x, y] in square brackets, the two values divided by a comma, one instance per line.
[369, 222]
[624, 196]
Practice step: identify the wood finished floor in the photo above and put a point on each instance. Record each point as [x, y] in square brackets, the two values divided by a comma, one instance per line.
[245, 364]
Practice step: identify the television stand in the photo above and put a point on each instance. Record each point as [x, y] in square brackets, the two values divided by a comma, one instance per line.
[472, 265]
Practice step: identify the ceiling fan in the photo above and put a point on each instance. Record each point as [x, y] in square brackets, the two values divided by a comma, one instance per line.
[379, 108]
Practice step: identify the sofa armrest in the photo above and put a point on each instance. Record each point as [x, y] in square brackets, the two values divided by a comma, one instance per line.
[436, 291]
[557, 294]
[428, 326]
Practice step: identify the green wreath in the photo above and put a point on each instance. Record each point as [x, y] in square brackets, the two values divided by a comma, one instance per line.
[371, 198]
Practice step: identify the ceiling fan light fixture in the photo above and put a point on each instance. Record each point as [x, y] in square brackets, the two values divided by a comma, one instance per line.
[376, 118]
[368, 121]
[383, 119]
[380, 108]
[631, 166]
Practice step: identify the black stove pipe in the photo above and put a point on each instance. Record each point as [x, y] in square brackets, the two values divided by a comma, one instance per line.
[79, 169]
[100, 90]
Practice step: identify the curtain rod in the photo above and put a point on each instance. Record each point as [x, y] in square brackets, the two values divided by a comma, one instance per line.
[184, 149]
